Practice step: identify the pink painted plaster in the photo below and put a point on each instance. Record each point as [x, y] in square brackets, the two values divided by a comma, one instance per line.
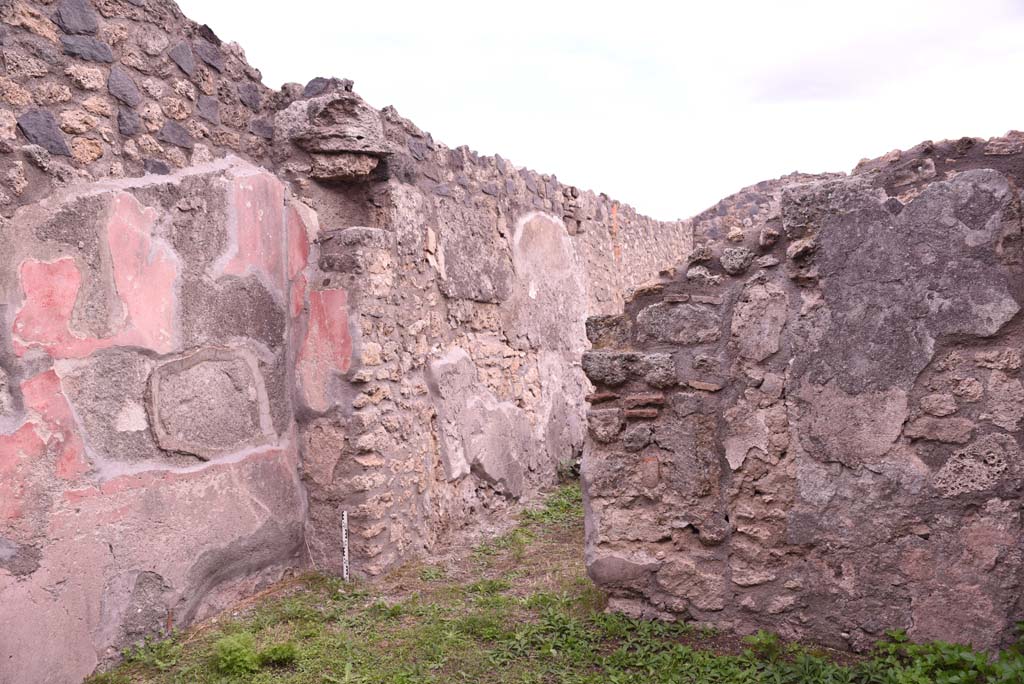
[50, 292]
[327, 348]
[258, 202]
[44, 396]
[144, 274]
[24, 448]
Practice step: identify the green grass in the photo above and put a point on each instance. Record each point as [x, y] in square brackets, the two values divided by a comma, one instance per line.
[523, 613]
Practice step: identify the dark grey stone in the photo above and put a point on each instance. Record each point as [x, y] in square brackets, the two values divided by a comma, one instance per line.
[128, 122]
[318, 86]
[181, 54]
[156, 167]
[321, 85]
[418, 149]
[87, 48]
[264, 128]
[123, 87]
[249, 94]
[76, 16]
[210, 54]
[208, 108]
[206, 33]
[636, 437]
[40, 127]
[175, 134]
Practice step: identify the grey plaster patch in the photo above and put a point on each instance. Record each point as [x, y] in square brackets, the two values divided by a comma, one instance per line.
[108, 395]
[473, 261]
[210, 403]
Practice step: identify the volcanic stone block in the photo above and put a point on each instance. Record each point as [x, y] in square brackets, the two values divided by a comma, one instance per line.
[336, 122]
[76, 16]
[208, 107]
[128, 122]
[87, 48]
[343, 167]
[249, 94]
[122, 86]
[176, 134]
[40, 127]
[182, 55]
[210, 403]
[210, 54]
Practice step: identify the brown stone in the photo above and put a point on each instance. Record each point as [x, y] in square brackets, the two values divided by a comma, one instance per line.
[948, 430]
[342, 167]
[649, 399]
[86, 77]
[76, 121]
[86, 150]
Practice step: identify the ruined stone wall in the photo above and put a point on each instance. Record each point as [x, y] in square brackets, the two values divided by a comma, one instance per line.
[116, 88]
[148, 456]
[205, 359]
[466, 282]
[814, 427]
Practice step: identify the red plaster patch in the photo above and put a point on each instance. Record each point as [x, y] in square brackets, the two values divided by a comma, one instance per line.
[298, 295]
[298, 242]
[259, 227]
[50, 292]
[21, 447]
[327, 348]
[144, 274]
[298, 257]
[44, 396]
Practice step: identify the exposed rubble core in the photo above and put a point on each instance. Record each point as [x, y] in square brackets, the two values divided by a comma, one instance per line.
[813, 426]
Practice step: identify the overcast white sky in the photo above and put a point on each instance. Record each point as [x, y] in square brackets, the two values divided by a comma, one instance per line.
[668, 106]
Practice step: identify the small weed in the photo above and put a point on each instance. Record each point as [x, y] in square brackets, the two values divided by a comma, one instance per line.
[432, 573]
[514, 543]
[278, 655]
[488, 586]
[235, 655]
[564, 507]
[110, 678]
[385, 611]
[159, 655]
[765, 645]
